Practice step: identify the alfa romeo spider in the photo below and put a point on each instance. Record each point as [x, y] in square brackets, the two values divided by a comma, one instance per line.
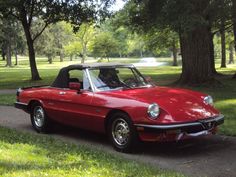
[118, 100]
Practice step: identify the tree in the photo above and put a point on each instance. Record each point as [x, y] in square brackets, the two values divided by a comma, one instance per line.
[231, 52]
[45, 44]
[9, 38]
[50, 11]
[60, 38]
[74, 48]
[233, 10]
[223, 52]
[80, 41]
[52, 40]
[192, 20]
[164, 39]
[85, 35]
[121, 35]
[104, 45]
[136, 45]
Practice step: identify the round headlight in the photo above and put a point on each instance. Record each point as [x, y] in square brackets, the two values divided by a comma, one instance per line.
[208, 100]
[153, 110]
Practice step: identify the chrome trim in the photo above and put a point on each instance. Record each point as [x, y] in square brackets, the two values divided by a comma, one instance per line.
[90, 80]
[20, 105]
[172, 126]
[168, 126]
[201, 133]
[217, 119]
[24, 104]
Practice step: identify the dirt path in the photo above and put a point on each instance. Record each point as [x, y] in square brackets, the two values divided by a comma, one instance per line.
[7, 91]
[210, 156]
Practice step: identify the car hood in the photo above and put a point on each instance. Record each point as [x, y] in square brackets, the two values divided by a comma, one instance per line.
[180, 104]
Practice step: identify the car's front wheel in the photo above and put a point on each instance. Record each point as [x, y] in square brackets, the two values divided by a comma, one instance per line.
[122, 133]
[39, 119]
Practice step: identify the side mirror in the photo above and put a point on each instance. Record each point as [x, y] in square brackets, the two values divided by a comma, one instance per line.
[74, 86]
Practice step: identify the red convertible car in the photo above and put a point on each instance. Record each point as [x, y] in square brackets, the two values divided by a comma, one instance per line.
[117, 100]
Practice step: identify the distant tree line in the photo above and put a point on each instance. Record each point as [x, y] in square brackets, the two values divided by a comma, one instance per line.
[197, 30]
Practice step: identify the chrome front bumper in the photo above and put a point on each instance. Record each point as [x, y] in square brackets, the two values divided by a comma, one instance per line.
[22, 106]
[200, 125]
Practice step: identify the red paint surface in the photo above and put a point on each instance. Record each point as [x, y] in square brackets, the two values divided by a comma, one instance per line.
[89, 110]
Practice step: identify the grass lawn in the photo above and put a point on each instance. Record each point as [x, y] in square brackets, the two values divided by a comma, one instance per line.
[24, 154]
[7, 99]
[224, 96]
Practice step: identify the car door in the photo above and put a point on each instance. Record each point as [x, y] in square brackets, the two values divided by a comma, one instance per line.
[73, 107]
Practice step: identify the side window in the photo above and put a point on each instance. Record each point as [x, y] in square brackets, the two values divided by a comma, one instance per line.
[80, 77]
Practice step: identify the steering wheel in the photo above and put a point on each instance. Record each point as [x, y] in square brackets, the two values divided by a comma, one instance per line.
[130, 82]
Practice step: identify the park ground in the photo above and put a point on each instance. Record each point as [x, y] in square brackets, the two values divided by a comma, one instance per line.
[69, 157]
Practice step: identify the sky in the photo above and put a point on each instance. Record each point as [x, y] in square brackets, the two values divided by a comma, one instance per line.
[118, 5]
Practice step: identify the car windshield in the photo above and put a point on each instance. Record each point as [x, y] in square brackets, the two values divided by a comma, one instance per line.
[117, 78]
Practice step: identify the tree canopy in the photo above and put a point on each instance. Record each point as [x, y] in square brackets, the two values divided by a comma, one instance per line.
[51, 11]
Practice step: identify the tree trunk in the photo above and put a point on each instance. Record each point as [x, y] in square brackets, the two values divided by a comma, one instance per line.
[3, 54]
[16, 57]
[234, 21]
[84, 53]
[195, 50]
[223, 54]
[61, 56]
[30, 44]
[82, 59]
[212, 52]
[231, 53]
[141, 53]
[174, 51]
[120, 54]
[49, 59]
[9, 63]
[71, 57]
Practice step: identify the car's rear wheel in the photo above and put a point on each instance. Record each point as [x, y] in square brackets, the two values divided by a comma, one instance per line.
[122, 132]
[39, 120]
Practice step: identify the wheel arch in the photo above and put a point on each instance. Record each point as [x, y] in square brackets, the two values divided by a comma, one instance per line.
[109, 115]
[31, 102]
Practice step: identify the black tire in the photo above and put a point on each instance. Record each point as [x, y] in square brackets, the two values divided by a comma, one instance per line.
[39, 119]
[118, 126]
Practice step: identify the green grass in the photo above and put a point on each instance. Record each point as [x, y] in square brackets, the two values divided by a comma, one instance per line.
[24, 154]
[224, 96]
[7, 99]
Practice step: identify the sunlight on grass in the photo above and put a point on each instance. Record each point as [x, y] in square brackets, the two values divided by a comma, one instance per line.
[228, 108]
[23, 154]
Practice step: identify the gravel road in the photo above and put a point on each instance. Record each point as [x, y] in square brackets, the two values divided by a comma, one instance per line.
[213, 156]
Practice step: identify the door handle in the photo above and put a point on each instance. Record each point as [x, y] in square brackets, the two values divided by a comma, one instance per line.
[62, 93]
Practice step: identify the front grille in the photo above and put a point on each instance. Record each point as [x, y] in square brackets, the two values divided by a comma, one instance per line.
[208, 124]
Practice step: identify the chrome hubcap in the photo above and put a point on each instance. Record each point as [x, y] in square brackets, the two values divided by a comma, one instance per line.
[120, 131]
[39, 116]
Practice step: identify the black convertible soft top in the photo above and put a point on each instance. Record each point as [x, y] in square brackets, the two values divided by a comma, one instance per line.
[62, 80]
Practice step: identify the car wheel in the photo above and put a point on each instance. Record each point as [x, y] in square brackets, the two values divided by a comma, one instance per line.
[40, 122]
[122, 132]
